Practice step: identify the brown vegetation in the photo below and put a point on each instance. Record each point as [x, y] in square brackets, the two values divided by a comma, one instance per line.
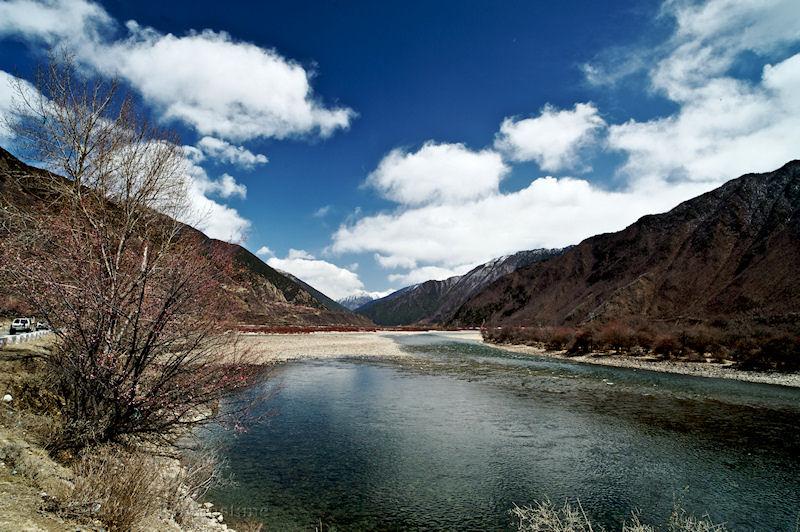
[544, 516]
[750, 348]
[135, 297]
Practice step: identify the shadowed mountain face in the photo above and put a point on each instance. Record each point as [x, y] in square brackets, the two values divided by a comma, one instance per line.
[261, 294]
[730, 253]
[436, 301]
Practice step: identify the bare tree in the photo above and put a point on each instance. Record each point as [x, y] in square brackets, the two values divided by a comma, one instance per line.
[136, 298]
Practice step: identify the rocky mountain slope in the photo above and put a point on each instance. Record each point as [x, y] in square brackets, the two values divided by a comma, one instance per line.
[436, 301]
[732, 253]
[262, 295]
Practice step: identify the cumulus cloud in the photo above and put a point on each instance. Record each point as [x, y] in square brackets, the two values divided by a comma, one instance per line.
[724, 126]
[226, 90]
[727, 128]
[219, 86]
[8, 95]
[54, 21]
[328, 278]
[552, 139]
[215, 219]
[547, 213]
[228, 153]
[428, 273]
[264, 251]
[437, 174]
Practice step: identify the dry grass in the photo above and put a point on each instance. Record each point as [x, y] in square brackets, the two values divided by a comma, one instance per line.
[545, 516]
[119, 488]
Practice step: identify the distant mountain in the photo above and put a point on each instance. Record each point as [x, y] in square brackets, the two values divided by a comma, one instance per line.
[436, 301]
[355, 301]
[261, 294]
[730, 253]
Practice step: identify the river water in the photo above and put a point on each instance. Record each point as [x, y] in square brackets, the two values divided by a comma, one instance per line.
[451, 437]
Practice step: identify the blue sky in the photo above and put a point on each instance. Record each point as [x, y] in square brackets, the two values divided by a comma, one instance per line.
[370, 145]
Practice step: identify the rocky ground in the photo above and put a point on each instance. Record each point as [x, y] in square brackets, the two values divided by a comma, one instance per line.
[722, 370]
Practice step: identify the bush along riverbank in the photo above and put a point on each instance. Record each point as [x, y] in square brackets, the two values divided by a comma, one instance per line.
[748, 347]
[107, 486]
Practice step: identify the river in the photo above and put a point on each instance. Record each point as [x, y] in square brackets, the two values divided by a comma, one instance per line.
[452, 436]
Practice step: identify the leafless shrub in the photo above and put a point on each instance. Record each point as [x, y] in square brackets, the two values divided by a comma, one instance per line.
[666, 346]
[583, 343]
[616, 336]
[135, 297]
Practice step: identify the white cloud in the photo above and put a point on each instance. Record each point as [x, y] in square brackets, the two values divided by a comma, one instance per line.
[53, 21]
[394, 261]
[8, 93]
[552, 139]
[377, 294]
[438, 173]
[548, 213]
[333, 281]
[220, 86]
[300, 254]
[206, 79]
[228, 153]
[710, 36]
[724, 126]
[228, 187]
[322, 212]
[213, 218]
[264, 251]
[428, 273]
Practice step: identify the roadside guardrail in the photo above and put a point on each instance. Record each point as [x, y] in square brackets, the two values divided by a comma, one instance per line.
[10, 339]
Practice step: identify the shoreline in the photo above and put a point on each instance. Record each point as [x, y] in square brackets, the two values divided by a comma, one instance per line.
[270, 348]
[281, 348]
[693, 369]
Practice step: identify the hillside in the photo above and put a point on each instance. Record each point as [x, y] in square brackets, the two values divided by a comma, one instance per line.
[436, 301]
[731, 253]
[262, 295]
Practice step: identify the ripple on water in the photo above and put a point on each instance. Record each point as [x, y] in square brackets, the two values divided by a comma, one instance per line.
[454, 436]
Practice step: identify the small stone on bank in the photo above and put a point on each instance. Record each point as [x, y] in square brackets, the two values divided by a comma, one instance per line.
[7, 398]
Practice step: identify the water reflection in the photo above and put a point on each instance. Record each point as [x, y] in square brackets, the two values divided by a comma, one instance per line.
[453, 437]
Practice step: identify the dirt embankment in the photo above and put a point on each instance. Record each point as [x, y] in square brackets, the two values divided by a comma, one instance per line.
[38, 493]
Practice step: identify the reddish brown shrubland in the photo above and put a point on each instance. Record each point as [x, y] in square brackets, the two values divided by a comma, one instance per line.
[753, 347]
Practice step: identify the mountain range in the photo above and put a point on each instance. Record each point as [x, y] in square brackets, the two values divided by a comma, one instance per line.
[434, 302]
[730, 254]
[355, 301]
[261, 294]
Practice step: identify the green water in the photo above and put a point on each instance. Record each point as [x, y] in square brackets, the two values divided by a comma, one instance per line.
[451, 438]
